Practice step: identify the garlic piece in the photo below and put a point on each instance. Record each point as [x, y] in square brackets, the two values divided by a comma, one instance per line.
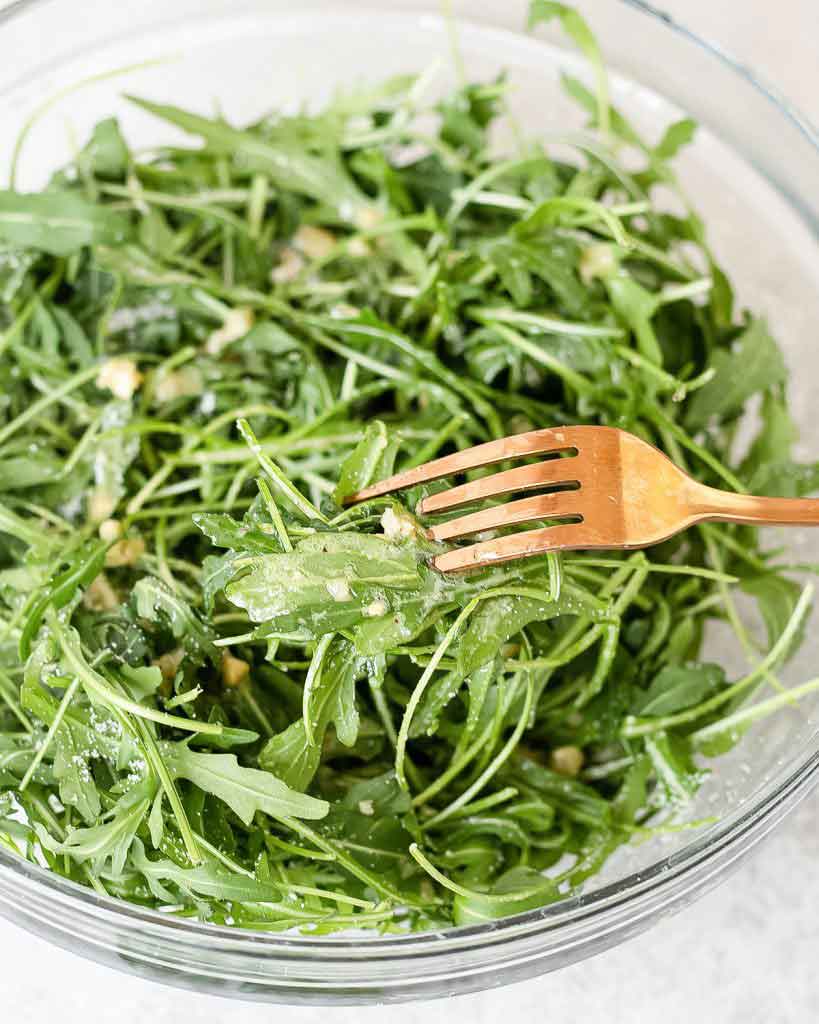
[566, 760]
[234, 670]
[100, 596]
[597, 260]
[291, 264]
[120, 376]
[339, 590]
[396, 524]
[376, 609]
[358, 248]
[169, 662]
[236, 324]
[101, 503]
[316, 243]
[110, 530]
[368, 217]
[184, 383]
[125, 552]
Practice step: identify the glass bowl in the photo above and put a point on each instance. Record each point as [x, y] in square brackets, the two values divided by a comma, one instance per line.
[752, 173]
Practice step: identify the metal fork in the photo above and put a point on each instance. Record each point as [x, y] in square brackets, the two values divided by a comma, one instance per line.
[608, 489]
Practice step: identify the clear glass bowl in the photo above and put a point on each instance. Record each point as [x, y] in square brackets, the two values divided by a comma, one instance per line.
[752, 172]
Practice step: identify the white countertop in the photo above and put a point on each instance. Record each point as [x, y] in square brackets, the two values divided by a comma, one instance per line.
[745, 953]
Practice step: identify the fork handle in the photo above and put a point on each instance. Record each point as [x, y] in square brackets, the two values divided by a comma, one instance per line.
[711, 504]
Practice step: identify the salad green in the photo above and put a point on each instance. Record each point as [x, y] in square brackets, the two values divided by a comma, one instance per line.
[226, 695]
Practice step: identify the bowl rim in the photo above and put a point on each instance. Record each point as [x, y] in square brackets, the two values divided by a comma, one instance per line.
[668, 880]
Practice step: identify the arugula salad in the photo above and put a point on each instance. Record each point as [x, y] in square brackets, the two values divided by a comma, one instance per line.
[226, 695]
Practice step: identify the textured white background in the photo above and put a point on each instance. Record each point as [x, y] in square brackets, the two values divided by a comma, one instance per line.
[746, 953]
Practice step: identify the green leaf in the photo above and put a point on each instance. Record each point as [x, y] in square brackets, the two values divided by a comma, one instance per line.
[327, 583]
[208, 880]
[108, 842]
[81, 567]
[677, 775]
[576, 28]
[329, 696]
[637, 308]
[244, 790]
[106, 152]
[676, 137]
[521, 889]
[32, 470]
[291, 756]
[498, 619]
[632, 796]
[776, 437]
[787, 479]
[371, 460]
[380, 842]
[322, 178]
[217, 572]
[753, 364]
[226, 532]
[776, 597]
[58, 222]
[574, 799]
[677, 687]
[153, 600]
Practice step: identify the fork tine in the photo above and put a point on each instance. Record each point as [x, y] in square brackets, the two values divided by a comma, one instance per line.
[533, 442]
[519, 545]
[521, 478]
[543, 506]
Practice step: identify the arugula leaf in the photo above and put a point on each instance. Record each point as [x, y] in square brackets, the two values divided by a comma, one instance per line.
[293, 169]
[575, 27]
[329, 582]
[58, 222]
[753, 364]
[244, 790]
[776, 597]
[107, 842]
[152, 598]
[372, 459]
[225, 694]
[677, 775]
[206, 880]
[520, 889]
[678, 687]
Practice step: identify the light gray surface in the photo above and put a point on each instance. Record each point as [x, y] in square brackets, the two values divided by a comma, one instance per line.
[746, 953]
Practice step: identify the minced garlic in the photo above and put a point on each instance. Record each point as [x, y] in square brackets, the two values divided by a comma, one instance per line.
[110, 530]
[169, 662]
[236, 324]
[566, 760]
[315, 243]
[234, 670]
[125, 552]
[396, 525]
[120, 376]
[100, 596]
[597, 260]
[339, 590]
[290, 265]
[184, 383]
[101, 503]
[376, 609]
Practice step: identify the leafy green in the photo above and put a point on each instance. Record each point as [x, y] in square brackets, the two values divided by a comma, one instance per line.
[57, 222]
[753, 364]
[244, 790]
[680, 686]
[226, 695]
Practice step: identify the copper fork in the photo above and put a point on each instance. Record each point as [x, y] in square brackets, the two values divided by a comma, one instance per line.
[607, 489]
